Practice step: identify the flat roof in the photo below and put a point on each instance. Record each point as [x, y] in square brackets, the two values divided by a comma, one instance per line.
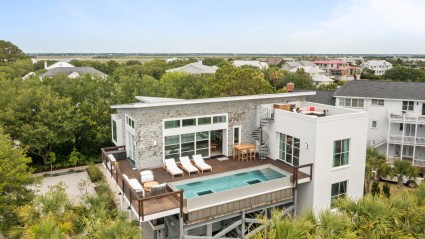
[213, 100]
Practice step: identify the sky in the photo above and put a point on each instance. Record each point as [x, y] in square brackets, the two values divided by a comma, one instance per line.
[215, 26]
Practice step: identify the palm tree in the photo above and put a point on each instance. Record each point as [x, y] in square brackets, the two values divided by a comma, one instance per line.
[376, 167]
[51, 215]
[275, 76]
[403, 169]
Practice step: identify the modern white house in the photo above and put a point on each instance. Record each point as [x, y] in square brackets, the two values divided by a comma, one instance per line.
[396, 116]
[291, 64]
[195, 68]
[258, 64]
[379, 67]
[57, 64]
[306, 155]
[317, 75]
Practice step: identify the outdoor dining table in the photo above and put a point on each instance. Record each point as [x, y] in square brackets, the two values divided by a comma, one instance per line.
[237, 149]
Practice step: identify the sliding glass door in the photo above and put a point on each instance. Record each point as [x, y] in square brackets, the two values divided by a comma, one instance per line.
[177, 146]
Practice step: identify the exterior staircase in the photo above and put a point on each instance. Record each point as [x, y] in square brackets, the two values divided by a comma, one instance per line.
[378, 141]
[264, 118]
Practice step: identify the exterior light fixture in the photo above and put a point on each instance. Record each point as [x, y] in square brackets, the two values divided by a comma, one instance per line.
[306, 145]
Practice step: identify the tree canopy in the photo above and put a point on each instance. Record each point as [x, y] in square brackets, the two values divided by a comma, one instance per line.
[403, 73]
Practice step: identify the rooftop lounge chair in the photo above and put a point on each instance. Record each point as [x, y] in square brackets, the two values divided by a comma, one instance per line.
[134, 183]
[171, 167]
[200, 163]
[187, 165]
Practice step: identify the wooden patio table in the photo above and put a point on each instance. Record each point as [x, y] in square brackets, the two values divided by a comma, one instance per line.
[237, 149]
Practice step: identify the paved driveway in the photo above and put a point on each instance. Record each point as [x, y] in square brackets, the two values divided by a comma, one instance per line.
[71, 181]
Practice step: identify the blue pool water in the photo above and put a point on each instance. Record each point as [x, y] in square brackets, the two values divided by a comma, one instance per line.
[219, 184]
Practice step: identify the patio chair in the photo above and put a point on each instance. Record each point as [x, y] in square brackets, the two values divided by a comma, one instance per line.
[200, 163]
[146, 176]
[134, 183]
[187, 165]
[158, 189]
[171, 167]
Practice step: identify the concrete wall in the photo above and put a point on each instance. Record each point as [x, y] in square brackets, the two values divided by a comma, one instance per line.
[149, 124]
[319, 134]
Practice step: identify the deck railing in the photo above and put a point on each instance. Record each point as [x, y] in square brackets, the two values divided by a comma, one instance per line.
[302, 169]
[137, 200]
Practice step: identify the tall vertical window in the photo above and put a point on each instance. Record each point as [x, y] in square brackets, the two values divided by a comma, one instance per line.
[236, 135]
[338, 190]
[289, 149]
[114, 130]
[408, 105]
[129, 121]
[410, 130]
[374, 124]
[341, 152]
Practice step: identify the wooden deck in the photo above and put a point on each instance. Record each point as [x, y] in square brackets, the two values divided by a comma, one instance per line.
[173, 200]
[162, 176]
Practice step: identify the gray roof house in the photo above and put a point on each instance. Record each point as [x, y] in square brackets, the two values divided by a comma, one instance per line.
[383, 90]
[195, 68]
[289, 65]
[73, 72]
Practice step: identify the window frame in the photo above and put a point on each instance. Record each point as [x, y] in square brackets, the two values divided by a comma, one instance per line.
[378, 102]
[374, 126]
[408, 105]
[341, 191]
[294, 150]
[340, 155]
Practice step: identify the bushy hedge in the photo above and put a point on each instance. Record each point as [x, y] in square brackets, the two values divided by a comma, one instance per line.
[94, 173]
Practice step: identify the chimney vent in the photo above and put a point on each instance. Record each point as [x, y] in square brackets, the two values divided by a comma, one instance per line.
[290, 87]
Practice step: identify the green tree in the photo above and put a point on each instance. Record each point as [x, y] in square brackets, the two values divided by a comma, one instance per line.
[74, 157]
[40, 119]
[301, 79]
[375, 188]
[403, 169]
[386, 190]
[403, 73]
[184, 86]
[131, 86]
[10, 53]
[214, 61]
[16, 178]
[234, 81]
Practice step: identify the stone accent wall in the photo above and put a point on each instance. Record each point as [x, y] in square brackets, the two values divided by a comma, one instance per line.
[149, 123]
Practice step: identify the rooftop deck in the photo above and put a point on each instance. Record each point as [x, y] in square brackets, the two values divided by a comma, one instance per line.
[148, 207]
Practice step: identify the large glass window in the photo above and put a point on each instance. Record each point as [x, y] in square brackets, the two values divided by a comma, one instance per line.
[169, 124]
[341, 152]
[219, 119]
[408, 105]
[189, 122]
[289, 149]
[188, 144]
[204, 120]
[129, 121]
[202, 145]
[338, 190]
[410, 130]
[172, 147]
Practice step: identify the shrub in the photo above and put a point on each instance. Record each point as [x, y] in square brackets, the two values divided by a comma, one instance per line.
[375, 188]
[386, 190]
[94, 173]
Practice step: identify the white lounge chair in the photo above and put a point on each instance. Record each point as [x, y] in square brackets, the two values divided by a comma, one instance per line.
[200, 163]
[134, 183]
[187, 165]
[146, 176]
[171, 167]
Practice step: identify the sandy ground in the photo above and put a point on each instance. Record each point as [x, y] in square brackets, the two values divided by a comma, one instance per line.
[71, 181]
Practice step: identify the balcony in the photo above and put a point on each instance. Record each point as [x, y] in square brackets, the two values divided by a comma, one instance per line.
[411, 140]
[150, 207]
[406, 118]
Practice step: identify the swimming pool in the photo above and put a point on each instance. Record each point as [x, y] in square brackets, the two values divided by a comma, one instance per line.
[223, 183]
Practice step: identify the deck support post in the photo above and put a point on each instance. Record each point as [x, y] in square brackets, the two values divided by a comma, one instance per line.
[181, 225]
[243, 225]
[209, 229]
[295, 200]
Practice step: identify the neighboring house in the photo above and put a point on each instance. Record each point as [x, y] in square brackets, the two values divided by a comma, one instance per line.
[352, 60]
[379, 67]
[258, 64]
[339, 69]
[317, 75]
[195, 68]
[308, 155]
[274, 61]
[57, 64]
[171, 59]
[73, 72]
[396, 116]
[28, 75]
[289, 65]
